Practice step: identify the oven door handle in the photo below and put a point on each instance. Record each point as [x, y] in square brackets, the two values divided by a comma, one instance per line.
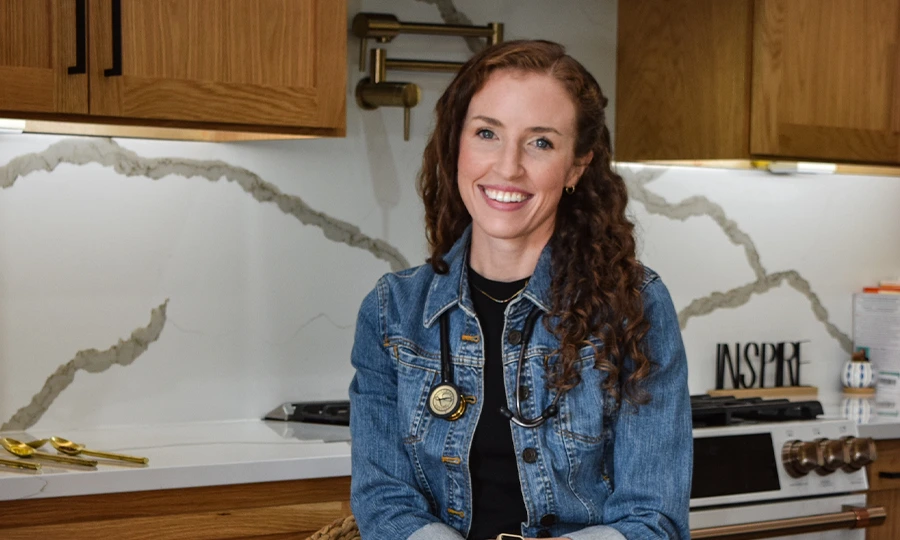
[851, 517]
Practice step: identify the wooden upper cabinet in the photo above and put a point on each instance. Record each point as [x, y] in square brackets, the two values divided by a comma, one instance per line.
[38, 45]
[786, 79]
[826, 79]
[682, 79]
[259, 67]
[233, 61]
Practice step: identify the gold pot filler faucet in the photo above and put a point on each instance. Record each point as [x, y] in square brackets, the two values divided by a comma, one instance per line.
[375, 91]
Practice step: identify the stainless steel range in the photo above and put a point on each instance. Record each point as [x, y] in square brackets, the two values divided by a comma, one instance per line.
[773, 469]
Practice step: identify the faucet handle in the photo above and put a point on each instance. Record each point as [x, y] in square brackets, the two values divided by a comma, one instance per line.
[371, 95]
[411, 96]
[406, 123]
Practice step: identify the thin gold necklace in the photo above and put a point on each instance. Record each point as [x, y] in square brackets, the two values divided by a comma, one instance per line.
[499, 301]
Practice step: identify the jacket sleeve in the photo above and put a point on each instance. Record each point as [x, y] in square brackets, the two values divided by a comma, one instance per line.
[653, 445]
[385, 498]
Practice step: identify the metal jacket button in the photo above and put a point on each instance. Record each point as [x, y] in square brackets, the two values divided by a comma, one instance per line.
[529, 455]
[515, 337]
[548, 520]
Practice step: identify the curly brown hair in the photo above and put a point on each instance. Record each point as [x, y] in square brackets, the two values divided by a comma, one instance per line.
[596, 281]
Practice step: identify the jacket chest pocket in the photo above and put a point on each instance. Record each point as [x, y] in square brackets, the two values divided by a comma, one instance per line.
[582, 409]
[585, 417]
[587, 410]
[416, 376]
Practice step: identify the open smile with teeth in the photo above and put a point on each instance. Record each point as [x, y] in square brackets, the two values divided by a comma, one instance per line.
[505, 196]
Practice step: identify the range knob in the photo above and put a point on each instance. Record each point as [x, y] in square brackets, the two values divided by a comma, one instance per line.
[833, 455]
[858, 452]
[800, 458]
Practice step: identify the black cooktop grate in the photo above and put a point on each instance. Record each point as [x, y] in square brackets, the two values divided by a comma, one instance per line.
[726, 410]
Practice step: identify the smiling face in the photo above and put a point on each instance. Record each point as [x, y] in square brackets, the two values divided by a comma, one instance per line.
[516, 155]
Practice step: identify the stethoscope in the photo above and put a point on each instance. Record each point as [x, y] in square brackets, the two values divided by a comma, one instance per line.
[446, 401]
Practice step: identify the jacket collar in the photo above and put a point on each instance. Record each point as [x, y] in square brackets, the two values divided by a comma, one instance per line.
[452, 288]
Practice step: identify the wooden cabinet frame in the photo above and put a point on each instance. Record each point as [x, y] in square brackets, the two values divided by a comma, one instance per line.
[273, 510]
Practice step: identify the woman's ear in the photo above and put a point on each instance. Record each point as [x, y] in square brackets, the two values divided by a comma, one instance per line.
[581, 163]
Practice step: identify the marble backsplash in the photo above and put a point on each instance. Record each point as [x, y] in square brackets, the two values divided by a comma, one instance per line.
[153, 281]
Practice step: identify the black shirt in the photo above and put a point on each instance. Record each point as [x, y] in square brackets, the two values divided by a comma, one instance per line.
[497, 503]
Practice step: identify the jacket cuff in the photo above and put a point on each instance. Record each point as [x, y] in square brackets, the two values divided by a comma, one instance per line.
[438, 531]
[598, 532]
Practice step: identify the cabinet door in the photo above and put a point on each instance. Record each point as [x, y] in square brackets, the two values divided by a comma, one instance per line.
[39, 40]
[885, 490]
[890, 529]
[241, 62]
[826, 80]
[683, 79]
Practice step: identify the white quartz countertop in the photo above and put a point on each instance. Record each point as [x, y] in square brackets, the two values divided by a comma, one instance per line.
[249, 451]
[877, 417]
[881, 429]
[183, 456]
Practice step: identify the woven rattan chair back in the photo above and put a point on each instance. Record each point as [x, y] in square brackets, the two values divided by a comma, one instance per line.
[339, 529]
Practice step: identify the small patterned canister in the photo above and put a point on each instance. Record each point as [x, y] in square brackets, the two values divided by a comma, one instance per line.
[858, 372]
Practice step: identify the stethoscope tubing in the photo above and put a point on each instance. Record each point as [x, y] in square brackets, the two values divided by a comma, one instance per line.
[446, 364]
[515, 417]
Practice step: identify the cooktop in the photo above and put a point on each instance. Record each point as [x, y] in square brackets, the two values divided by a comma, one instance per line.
[316, 412]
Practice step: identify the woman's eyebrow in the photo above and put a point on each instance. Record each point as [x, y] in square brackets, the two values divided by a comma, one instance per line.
[497, 123]
[542, 129]
[488, 120]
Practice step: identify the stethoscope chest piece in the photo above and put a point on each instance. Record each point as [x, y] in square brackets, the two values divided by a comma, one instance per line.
[446, 401]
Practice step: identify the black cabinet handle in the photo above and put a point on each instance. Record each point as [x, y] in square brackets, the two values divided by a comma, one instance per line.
[116, 40]
[889, 475]
[80, 39]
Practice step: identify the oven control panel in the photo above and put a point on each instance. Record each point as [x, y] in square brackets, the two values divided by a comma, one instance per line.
[825, 456]
[778, 460]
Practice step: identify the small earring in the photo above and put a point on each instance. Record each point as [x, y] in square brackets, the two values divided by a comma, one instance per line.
[570, 190]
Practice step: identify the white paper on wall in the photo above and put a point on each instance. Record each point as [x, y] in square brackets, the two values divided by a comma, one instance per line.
[876, 329]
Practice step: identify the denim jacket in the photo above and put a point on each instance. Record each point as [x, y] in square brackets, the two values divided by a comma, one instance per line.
[593, 471]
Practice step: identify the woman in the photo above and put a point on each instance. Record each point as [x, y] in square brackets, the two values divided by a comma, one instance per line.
[531, 379]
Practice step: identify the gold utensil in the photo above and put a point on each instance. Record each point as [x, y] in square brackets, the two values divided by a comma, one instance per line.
[37, 443]
[20, 464]
[23, 450]
[68, 447]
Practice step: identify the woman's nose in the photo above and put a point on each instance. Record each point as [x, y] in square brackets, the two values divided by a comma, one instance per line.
[509, 161]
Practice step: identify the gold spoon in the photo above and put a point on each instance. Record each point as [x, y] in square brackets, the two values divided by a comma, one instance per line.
[23, 450]
[68, 447]
[20, 464]
[37, 443]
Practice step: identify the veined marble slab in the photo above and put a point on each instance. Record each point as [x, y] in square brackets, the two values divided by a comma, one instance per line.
[186, 455]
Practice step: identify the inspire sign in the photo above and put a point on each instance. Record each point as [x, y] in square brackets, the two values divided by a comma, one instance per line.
[748, 363]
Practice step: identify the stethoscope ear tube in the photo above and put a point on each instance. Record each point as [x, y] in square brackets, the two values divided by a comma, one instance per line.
[552, 409]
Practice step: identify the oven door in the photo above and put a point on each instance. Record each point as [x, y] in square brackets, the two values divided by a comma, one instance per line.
[843, 517]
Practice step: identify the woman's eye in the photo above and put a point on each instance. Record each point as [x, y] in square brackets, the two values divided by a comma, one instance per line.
[543, 144]
[485, 134]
